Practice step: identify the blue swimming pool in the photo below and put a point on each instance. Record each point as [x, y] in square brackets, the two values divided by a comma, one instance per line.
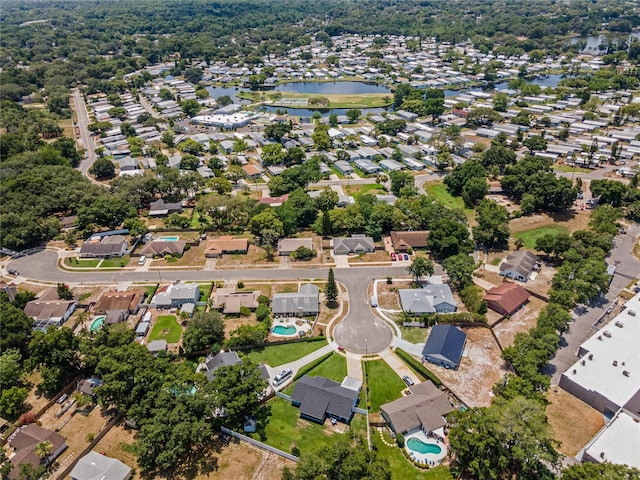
[168, 239]
[97, 324]
[282, 330]
[419, 446]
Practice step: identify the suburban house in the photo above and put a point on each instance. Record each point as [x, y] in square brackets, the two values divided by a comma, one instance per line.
[24, 441]
[95, 466]
[424, 409]
[404, 241]
[429, 299]
[176, 295]
[157, 346]
[319, 398]
[117, 306]
[160, 248]
[305, 302]
[49, 312]
[214, 362]
[230, 301]
[519, 265]
[444, 346]
[226, 244]
[252, 171]
[356, 244]
[286, 246]
[343, 167]
[104, 246]
[506, 298]
[161, 209]
[274, 201]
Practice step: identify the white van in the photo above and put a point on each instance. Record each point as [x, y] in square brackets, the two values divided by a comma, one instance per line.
[142, 260]
[282, 376]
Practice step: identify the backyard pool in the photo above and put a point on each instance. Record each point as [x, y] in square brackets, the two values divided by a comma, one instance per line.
[168, 239]
[419, 446]
[282, 330]
[96, 324]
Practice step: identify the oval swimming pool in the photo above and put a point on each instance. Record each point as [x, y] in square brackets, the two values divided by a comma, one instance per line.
[96, 324]
[419, 446]
[282, 330]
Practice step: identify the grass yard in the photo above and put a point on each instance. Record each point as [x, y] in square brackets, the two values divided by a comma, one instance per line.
[384, 384]
[166, 328]
[118, 262]
[357, 190]
[281, 354]
[364, 100]
[414, 334]
[205, 291]
[529, 237]
[285, 429]
[402, 468]
[569, 168]
[78, 263]
[334, 368]
[439, 192]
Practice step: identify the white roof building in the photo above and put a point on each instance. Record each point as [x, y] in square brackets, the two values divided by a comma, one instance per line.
[618, 442]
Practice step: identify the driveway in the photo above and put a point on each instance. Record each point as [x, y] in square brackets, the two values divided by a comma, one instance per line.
[627, 268]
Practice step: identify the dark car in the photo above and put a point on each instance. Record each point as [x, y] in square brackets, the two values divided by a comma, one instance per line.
[15, 273]
[407, 380]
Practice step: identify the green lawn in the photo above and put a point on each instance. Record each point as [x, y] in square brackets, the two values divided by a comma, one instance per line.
[280, 354]
[439, 192]
[334, 368]
[569, 168]
[115, 262]
[384, 384]
[529, 237]
[414, 334]
[284, 429]
[403, 468]
[74, 262]
[166, 328]
[205, 291]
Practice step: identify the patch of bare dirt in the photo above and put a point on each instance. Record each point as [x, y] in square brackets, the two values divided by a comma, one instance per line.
[521, 322]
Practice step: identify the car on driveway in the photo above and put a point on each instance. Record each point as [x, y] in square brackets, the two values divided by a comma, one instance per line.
[407, 380]
[15, 273]
[406, 257]
[393, 257]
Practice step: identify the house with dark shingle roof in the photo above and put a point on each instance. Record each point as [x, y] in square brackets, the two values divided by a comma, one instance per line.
[215, 362]
[161, 209]
[305, 302]
[24, 442]
[444, 346]
[506, 298]
[319, 398]
[356, 244]
[403, 241]
[160, 248]
[424, 409]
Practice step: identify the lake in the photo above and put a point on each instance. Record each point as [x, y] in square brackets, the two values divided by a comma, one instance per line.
[332, 88]
[592, 41]
[216, 92]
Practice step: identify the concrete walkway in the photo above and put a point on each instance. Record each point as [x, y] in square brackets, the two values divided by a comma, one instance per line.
[398, 365]
[296, 365]
[483, 283]
[412, 348]
[354, 366]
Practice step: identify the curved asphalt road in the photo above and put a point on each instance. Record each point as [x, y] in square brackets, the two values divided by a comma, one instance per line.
[359, 332]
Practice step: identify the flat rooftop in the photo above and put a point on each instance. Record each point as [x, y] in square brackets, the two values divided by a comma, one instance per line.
[619, 442]
[610, 352]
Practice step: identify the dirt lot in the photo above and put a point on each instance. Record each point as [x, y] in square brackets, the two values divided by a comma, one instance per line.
[254, 255]
[574, 220]
[376, 256]
[388, 297]
[235, 461]
[572, 421]
[75, 431]
[36, 399]
[522, 321]
[481, 367]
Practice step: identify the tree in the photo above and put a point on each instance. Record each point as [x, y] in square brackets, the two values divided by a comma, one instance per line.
[205, 332]
[421, 267]
[460, 270]
[303, 253]
[238, 388]
[12, 401]
[399, 180]
[266, 220]
[600, 471]
[103, 168]
[346, 458]
[191, 146]
[55, 353]
[461, 174]
[193, 74]
[480, 116]
[535, 143]
[191, 107]
[44, 450]
[474, 190]
[609, 192]
[321, 138]
[106, 211]
[331, 289]
[500, 102]
[509, 439]
[64, 292]
[16, 328]
[278, 130]
[273, 154]
[492, 230]
[449, 237]
[10, 367]
[353, 115]
[136, 227]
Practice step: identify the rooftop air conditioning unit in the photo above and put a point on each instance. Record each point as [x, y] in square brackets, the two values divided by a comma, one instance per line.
[625, 373]
[590, 357]
[607, 334]
[619, 324]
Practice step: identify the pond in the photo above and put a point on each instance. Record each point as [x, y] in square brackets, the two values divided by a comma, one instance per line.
[215, 92]
[332, 88]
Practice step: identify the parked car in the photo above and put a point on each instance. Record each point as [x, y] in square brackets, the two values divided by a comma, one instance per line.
[282, 376]
[15, 273]
[142, 260]
[407, 380]
[406, 257]
[393, 257]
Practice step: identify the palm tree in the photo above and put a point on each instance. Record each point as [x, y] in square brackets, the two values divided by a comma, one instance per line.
[43, 450]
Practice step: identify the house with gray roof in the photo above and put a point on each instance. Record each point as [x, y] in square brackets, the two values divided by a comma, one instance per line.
[343, 167]
[519, 265]
[157, 346]
[305, 302]
[215, 362]
[319, 398]
[176, 295]
[356, 244]
[286, 246]
[424, 409]
[95, 466]
[444, 346]
[104, 246]
[429, 299]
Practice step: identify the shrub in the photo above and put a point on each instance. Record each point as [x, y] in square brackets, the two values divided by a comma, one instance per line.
[262, 312]
[389, 280]
[245, 311]
[90, 437]
[295, 451]
[400, 440]
[241, 284]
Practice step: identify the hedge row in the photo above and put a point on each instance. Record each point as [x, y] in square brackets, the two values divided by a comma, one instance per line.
[417, 366]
